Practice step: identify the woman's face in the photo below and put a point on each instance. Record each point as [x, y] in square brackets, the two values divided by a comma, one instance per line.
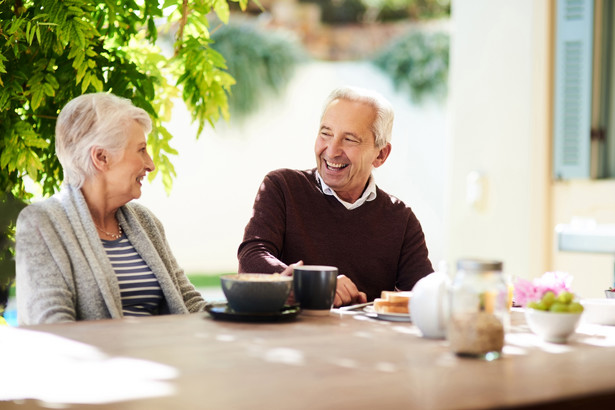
[127, 170]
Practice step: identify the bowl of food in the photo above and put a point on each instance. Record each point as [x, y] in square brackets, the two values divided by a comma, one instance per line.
[610, 293]
[555, 327]
[599, 311]
[554, 317]
[256, 292]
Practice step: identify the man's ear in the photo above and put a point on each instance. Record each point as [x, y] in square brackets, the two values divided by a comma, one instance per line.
[100, 158]
[382, 155]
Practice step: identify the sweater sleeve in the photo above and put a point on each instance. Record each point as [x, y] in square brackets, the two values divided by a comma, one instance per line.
[192, 298]
[44, 294]
[414, 260]
[153, 228]
[263, 238]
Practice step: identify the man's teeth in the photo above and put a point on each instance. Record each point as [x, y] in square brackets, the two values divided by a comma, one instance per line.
[335, 166]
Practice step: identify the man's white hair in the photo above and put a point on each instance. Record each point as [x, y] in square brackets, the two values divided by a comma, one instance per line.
[382, 128]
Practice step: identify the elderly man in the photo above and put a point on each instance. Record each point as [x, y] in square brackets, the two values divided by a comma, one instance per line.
[335, 214]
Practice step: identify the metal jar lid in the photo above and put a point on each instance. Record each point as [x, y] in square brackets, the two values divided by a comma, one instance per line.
[479, 265]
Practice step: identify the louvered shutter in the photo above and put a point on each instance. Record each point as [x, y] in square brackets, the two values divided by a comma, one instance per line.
[573, 80]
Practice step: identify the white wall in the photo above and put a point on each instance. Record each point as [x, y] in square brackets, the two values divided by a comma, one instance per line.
[218, 175]
[499, 126]
[501, 102]
[586, 199]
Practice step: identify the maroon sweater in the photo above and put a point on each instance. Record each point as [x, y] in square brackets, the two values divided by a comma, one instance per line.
[379, 245]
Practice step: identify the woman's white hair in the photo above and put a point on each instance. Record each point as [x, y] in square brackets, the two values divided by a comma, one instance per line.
[93, 120]
[382, 128]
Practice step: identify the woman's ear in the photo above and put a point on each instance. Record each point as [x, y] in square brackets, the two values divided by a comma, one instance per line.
[100, 158]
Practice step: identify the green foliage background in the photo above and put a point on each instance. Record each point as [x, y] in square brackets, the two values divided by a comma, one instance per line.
[262, 63]
[418, 64]
[51, 51]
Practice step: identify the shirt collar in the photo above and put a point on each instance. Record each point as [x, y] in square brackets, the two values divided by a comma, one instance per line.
[368, 195]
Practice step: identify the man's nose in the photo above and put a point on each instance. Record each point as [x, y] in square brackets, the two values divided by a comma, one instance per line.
[335, 147]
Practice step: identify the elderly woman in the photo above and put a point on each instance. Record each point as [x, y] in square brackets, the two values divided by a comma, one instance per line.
[87, 252]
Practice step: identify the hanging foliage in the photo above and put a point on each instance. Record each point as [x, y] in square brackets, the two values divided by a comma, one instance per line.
[262, 62]
[52, 51]
[418, 64]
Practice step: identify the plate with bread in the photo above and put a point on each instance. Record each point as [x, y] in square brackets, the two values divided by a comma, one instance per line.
[391, 305]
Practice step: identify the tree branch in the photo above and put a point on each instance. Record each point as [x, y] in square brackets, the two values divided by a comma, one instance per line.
[18, 6]
[182, 24]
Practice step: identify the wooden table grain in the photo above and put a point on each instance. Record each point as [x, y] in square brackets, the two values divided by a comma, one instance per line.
[342, 361]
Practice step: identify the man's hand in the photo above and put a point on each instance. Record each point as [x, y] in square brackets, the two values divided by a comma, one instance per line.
[347, 292]
[289, 269]
[289, 272]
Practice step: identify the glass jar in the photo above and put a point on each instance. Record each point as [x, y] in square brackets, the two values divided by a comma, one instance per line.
[478, 309]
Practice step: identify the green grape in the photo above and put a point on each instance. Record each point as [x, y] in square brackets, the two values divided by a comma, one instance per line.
[547, 299]
[575, 307]
[534, 305]
[559, 307]
[565, 297]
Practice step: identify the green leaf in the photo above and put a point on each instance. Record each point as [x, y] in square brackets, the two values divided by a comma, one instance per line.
[87, 78]
[50, 78]
[38, 95]
[222, 10]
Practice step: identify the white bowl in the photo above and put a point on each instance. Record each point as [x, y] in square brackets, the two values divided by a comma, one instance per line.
[552, 327]
[599, 311]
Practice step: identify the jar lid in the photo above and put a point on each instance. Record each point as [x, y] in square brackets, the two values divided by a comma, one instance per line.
[479, 264]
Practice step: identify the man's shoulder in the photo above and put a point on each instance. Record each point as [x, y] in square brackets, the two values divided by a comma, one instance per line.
[292, 176]
[391, 201]
[292, 173]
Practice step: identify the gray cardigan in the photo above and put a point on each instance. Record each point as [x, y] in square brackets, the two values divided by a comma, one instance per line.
[64, 274]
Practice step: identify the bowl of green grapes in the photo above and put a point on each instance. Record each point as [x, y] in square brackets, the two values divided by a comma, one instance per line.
[554, 317]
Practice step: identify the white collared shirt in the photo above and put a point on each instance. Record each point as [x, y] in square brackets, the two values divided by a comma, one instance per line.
[368, 195]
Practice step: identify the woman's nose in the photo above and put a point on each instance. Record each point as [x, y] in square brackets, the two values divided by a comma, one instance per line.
[149, 165]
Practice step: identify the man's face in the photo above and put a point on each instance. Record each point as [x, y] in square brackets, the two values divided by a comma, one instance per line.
[345, 148]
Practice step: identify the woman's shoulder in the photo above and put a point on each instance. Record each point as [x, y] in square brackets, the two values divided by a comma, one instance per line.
[49, 206]
[140, 211]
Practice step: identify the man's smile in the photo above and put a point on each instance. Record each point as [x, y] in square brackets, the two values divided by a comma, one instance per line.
[335, 166]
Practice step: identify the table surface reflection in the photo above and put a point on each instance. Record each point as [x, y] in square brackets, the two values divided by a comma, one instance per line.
[342, 360]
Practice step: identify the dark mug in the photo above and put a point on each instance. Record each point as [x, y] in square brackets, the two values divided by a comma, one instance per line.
[314, 288]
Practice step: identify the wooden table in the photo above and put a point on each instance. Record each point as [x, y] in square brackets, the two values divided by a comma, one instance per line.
[340, 361]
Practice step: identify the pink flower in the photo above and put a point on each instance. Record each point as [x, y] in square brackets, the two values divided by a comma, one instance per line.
[528, 291]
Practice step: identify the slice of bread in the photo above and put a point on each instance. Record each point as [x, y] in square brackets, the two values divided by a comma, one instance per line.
[393, 302]
[396, 297]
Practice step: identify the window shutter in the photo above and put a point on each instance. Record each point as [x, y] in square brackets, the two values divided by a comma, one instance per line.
[573, 80]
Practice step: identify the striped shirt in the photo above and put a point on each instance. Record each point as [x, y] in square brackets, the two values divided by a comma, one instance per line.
[140, 291]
